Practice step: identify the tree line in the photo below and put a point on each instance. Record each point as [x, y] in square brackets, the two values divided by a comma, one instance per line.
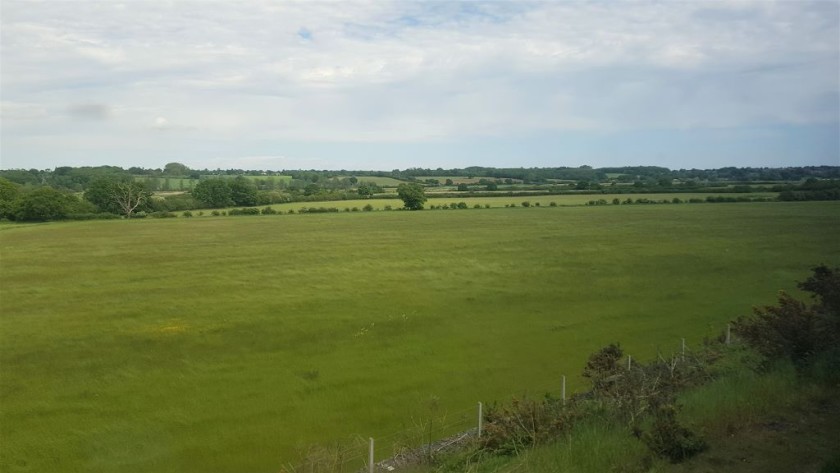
[107, 191]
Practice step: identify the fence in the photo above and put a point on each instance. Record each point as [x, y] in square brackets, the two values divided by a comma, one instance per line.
[438, 433]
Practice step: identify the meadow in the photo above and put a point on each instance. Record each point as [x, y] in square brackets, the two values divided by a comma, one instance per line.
[493, 201]
[233, 344]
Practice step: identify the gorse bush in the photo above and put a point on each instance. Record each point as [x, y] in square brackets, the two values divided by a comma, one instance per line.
[524, 423]
[792, 329]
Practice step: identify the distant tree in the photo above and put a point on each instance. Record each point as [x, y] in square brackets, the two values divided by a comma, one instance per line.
[42, 204]
[8, 194]
[448, 182]
[412, 195]
[366, 189]
[118, 195]
[463, 187]
[311, 189]
[129, 195]
[492, 186]
[243, 191]
[99, 193]
[213, 193]
[176, 169]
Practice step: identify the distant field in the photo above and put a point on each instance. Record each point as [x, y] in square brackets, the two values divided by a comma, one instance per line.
[379, 181]
[172, 183]
[232, 344]
[253, 178]
[493, 202]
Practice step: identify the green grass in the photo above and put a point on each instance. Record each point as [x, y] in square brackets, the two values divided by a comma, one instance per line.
[492, 201]
[233, 344]
[378, 180]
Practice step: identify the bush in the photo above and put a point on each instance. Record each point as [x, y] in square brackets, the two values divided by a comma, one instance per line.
[187, 214]
[462, 205]
[477, 206]
[525, 422]
[387, 207]
[140, 214]
[668, 439]
[552, 204]
[793, 330]
[245, 211]
[162, 215]
[268, 211]
[368, 208]
[526, 204]
[486, 206]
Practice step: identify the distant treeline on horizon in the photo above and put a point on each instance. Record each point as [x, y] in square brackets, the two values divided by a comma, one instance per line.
[75, 176]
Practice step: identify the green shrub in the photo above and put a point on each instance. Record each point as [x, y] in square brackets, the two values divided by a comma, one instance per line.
[187, 214]
[668, 439]
[244, 211]
[162, 215]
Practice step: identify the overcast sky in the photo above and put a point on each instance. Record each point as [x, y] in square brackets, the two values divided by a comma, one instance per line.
[386, 85]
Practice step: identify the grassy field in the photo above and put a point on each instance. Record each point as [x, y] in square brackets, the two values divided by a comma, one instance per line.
[492, 201]
[233, 344]
[378, 180]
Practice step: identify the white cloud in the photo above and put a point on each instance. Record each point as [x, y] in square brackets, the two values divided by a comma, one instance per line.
[414, 71]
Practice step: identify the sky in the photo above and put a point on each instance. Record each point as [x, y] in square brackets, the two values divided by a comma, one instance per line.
[382, 85]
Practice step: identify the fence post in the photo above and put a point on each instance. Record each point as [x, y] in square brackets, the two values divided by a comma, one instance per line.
[370, 456]
[629, 361]
[728, 334]
[480, 418]
[683, 349]
[564, 390]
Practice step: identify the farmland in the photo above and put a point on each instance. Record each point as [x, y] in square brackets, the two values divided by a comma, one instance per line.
[231, 344]
[497, 201]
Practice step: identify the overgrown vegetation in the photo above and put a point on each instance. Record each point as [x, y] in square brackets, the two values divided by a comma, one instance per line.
[642, 399]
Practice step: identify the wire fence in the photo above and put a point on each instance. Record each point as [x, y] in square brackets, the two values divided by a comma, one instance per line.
[435, 432]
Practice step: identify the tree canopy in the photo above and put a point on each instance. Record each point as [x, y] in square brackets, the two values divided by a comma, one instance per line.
[213, 193]
[412, 195]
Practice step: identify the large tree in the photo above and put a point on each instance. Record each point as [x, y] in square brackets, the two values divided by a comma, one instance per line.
[129, 196]
[176, 169]
[412, 195]
[8, 195]
[42, 204]
[119, 196]
[213, 193]
[243, 191]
